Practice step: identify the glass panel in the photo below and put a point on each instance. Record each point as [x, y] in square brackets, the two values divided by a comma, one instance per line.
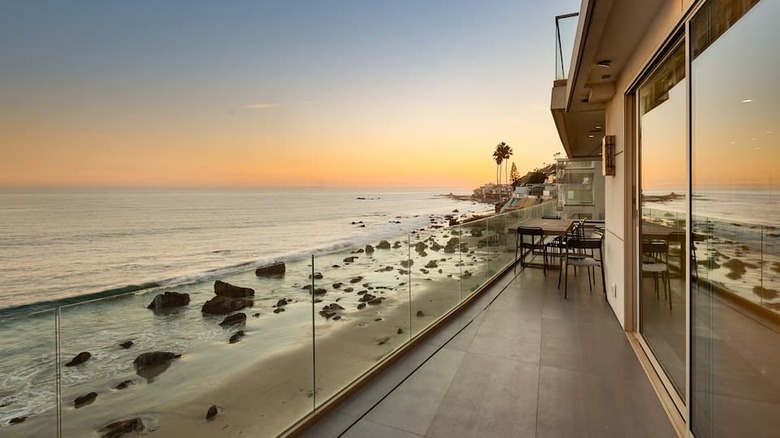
[362, 311]
[565, 32]
[28, 394]
[502, 244]
[473, 257]
[435, 282]
[735, 153]
[663, 188]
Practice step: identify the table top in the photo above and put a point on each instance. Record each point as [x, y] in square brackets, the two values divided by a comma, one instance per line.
[551, 227]
[656, 231]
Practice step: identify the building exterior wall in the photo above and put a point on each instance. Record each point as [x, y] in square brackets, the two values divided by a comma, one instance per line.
[619, 189]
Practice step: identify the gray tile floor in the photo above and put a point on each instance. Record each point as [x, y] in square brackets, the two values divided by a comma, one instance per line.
[520, 362]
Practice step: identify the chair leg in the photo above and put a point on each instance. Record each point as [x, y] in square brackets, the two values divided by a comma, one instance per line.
[590, 285]
[603, 279]
[655, 285]
[560, 271]
[566, 281]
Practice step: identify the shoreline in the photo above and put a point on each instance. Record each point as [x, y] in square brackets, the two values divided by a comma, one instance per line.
[249, 406]
[359, 339]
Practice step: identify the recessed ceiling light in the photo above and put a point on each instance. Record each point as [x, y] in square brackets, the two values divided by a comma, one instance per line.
[591, 136]
[747, 100]
[598, 128]
[604, 63]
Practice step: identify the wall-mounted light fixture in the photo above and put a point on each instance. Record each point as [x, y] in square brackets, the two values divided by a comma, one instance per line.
[608, 155]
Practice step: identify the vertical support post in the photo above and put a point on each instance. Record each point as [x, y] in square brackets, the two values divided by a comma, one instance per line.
[58, 371]
[313, 343]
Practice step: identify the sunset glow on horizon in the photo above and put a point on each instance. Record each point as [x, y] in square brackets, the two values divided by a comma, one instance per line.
[308, 93]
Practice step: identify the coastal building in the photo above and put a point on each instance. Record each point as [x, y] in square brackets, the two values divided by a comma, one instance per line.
[680, 97]
[580, 188]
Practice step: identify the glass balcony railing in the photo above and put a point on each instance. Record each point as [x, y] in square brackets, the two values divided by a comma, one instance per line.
[565, 33]
[256, 360]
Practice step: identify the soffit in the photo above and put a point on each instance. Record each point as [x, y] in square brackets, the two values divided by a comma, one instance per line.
[607, 30]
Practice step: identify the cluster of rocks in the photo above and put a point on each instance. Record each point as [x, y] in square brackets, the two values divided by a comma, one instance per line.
[147, 365]
[228, 299]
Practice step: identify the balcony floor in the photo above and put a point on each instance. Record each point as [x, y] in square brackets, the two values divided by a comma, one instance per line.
[519, 362]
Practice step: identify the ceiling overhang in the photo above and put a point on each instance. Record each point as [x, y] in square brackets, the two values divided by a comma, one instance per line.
[608, 33]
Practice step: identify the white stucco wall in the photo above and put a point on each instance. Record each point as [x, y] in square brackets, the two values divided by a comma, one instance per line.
[620, 225]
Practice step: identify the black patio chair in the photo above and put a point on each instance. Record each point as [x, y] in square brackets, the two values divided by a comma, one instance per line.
[533, 245]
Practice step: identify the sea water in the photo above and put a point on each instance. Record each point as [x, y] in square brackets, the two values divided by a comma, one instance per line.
[95, 259]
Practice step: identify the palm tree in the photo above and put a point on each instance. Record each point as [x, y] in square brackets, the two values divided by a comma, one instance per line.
[506, 153]
[498, 156]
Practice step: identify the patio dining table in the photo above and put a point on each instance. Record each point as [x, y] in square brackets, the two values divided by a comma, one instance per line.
[550, 228]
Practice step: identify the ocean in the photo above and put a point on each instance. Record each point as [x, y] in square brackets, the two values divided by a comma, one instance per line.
[100, 256]
[58, 244]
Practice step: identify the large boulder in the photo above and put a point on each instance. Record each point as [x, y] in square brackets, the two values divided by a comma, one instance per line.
[228, 290]
[169, 300]
[152, 364]
[79, 359]
[84, 400]
[220, 305]
[154, 358]
[235, 319]
[384, 244]
[273, 270]
[117, 428]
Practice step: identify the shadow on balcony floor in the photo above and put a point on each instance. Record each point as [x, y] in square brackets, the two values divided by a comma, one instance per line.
[519, 362]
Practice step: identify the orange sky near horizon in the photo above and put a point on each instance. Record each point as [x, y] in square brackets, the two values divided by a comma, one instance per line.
[374, 94]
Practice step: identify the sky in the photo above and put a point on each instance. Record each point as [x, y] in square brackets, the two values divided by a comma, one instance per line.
[355, 93]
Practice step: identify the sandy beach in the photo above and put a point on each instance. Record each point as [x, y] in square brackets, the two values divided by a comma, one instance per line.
[276, 392]
[384, 293]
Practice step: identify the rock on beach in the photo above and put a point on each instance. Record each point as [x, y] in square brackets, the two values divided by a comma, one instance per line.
[228, 290]
[154, 358]
[79, 359]
[169, 300]
[152, 364]
[220, 305]
[235, 319]
[273, 270]
[85, 399]
[117, 428]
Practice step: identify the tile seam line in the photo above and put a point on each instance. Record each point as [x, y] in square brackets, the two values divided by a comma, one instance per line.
[444, 344]
[539, 367]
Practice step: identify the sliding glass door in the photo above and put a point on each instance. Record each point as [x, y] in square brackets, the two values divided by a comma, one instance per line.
[663, 189]
[735, 207]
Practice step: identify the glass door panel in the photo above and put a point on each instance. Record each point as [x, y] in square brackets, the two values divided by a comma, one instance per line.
[663, 187]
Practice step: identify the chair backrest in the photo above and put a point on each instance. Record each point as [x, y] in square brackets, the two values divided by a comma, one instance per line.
[530, 231]
[588, 243]
[655, 246]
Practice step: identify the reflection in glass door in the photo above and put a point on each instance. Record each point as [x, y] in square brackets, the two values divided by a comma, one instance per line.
[663, 188]
[735, 216]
